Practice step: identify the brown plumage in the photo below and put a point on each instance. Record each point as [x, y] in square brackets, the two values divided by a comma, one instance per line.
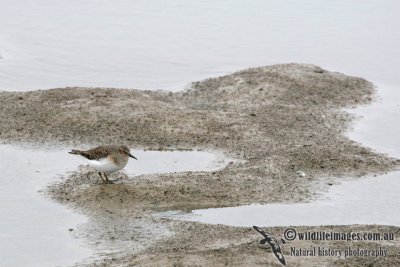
[100, 151]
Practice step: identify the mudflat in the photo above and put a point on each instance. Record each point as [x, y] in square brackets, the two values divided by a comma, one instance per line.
[284, 124]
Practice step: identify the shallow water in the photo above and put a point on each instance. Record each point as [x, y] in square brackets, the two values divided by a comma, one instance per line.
[378, 124]
[367, 200]
[34, 229]
[156, 44]
[177, 161]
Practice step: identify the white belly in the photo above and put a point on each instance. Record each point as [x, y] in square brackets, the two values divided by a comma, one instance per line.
[105, 165]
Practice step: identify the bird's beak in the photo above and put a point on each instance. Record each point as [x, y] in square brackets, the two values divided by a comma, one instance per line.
[132, 156]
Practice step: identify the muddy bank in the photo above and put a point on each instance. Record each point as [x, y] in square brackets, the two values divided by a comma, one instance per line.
[283, 121]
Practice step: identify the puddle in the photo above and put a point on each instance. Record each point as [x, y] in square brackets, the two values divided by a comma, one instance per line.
[367, 200]
[35, 230]
[174, 161]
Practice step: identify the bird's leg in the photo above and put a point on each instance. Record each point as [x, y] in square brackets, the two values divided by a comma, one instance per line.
[108, 181]
[102, 178]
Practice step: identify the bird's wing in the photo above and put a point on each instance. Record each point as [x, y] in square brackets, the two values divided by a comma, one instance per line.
[97, 153]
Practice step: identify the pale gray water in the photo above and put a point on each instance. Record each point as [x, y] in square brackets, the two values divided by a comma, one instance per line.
[369, 200]
[158, 44]
[34, 229]
[378, 126]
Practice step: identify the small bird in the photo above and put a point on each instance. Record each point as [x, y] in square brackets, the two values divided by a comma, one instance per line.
[106, 159]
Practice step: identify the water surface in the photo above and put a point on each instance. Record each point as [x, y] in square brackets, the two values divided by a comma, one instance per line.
[156, 44]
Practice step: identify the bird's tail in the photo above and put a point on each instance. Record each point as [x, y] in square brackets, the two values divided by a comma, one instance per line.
[76, 152]
[80, 153]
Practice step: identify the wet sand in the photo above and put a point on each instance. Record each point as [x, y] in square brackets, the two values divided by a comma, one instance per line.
[285, 124]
